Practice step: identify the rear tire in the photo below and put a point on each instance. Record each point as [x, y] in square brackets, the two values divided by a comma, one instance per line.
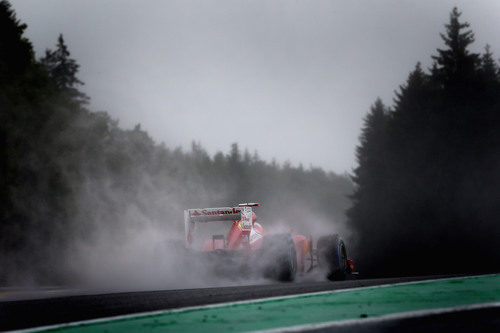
[332, 257]
[279, 256]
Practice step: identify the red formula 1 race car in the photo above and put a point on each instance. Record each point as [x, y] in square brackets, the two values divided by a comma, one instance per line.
[241, 247]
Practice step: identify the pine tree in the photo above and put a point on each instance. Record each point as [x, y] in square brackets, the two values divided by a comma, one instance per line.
[456, 66]
[371, 152]
[458, 116]
[62, 70]
[412, 132]
[16, 52]
[367, 213]
[489, 70]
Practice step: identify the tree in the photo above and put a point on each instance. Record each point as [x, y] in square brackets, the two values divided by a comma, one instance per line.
[370, 177]
[16, 52]
[455, 66]
[371, 152]
[489, 68]
[62, 70]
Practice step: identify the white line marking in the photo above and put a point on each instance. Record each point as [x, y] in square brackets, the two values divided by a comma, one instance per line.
[394, 316]
[218, 305]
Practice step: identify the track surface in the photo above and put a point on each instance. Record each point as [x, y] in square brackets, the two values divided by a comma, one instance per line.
[54, 310]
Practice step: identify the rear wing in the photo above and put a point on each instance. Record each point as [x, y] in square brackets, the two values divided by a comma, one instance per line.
[242, 213]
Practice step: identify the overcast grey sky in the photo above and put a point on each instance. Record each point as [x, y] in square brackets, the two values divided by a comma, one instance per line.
[290, 79]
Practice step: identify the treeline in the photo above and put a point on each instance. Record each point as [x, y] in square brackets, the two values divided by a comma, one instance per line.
[428, 181]
[70, 176]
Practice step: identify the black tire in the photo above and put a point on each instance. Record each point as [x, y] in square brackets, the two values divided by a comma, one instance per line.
[278, 257]
[332, 257]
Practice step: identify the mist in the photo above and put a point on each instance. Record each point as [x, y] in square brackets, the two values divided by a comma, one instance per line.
[141, 245]
[90, 203]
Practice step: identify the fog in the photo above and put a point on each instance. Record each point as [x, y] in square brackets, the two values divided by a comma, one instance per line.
[301, 74]
[143, 246]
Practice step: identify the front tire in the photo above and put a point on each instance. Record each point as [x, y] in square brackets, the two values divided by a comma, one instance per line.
[332, 257]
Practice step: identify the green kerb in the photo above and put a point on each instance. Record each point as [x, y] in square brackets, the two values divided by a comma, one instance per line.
[338, 305]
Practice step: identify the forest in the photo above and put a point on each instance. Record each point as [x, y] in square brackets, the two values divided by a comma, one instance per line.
[428, 174]
[423, 198]
[72, 178]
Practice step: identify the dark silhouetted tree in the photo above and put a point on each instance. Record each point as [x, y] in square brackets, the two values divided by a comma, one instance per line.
[431, 198]
[370, 176]
[62, 70]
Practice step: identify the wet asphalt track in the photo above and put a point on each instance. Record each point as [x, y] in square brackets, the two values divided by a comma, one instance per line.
[18, 314]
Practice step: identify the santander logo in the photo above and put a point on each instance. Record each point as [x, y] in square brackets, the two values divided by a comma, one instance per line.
[215, 212]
